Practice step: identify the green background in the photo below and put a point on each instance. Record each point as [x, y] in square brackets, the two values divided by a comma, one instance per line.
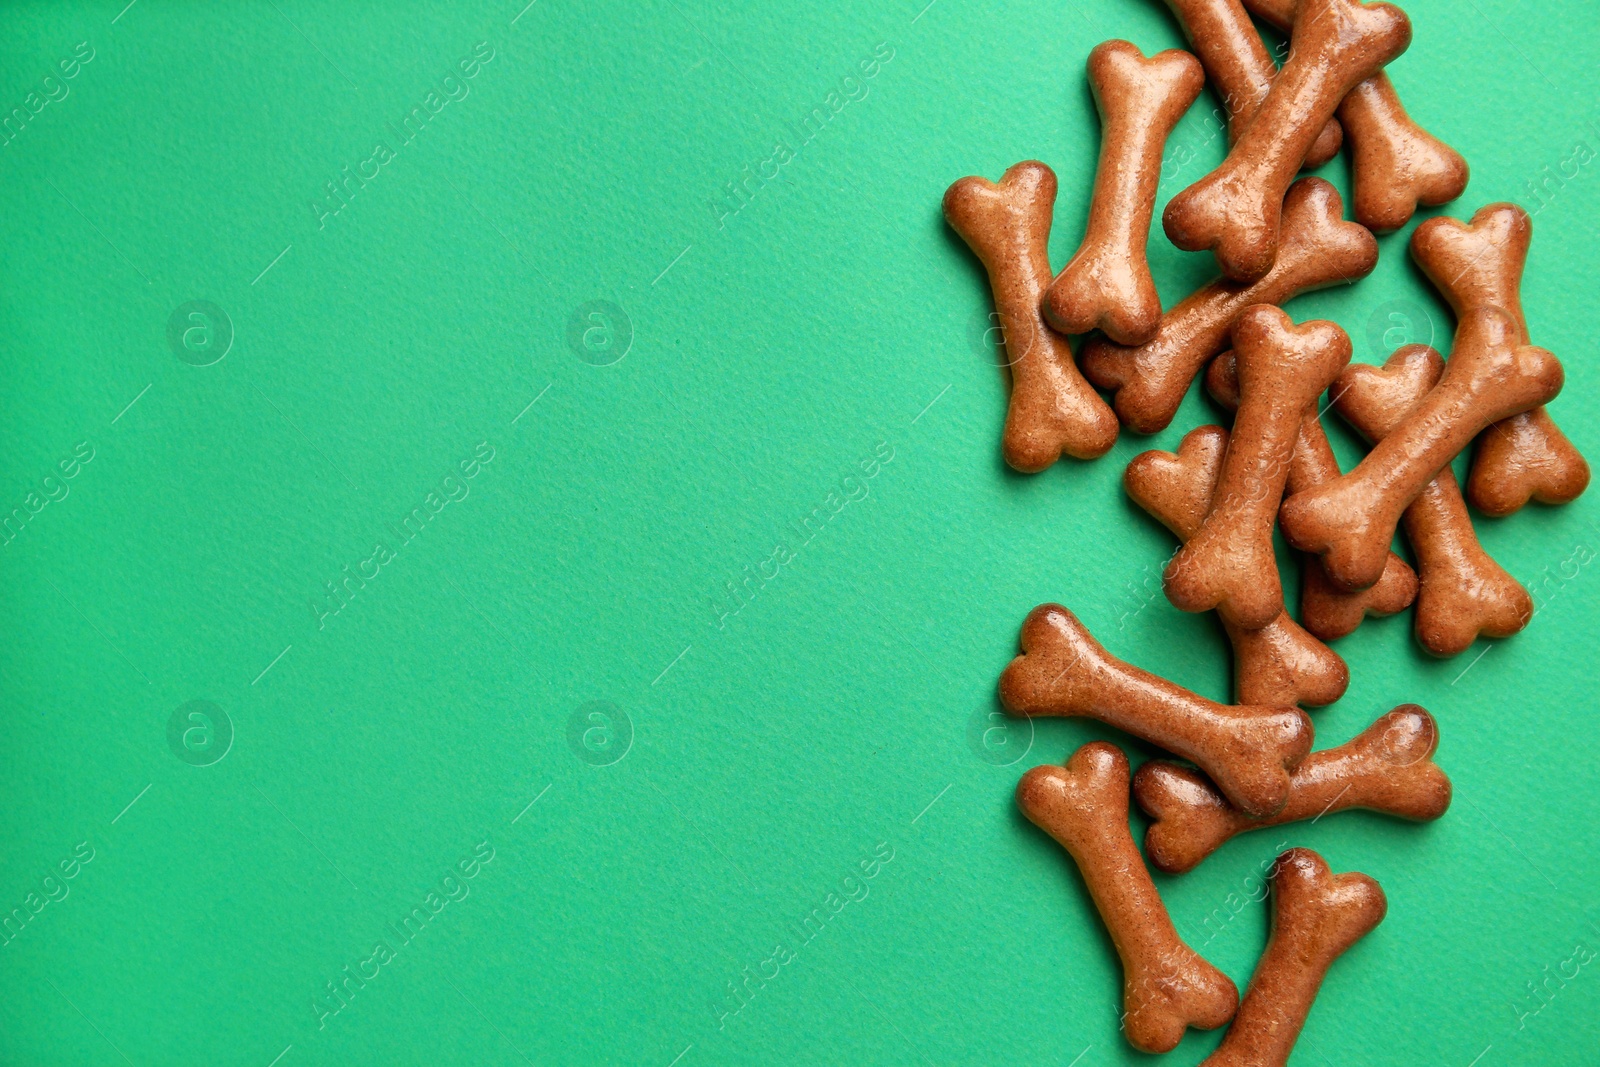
[772, 351]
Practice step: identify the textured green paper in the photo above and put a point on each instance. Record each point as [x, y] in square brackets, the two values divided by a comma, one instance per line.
[546, 668]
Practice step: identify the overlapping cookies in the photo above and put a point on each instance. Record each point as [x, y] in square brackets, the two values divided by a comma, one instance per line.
[1226, 492]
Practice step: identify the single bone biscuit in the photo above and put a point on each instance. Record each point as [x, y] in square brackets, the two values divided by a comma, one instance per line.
[1277, 664]
[1525, 457]
[1237, 63]
[1395, 164]
[1248, 750]
[1319, 249]
[1167, 987]
[1350, 522]
[1464, 593]
[1053, 410]
[1107, 284]
[1330, 612]
[1234, 210]
[1480, 264]
[1325, 610]
[1316, 916]
[1388, 767]
[1230, 564]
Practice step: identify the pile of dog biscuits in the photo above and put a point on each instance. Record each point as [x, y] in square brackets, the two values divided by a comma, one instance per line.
[1225, 491]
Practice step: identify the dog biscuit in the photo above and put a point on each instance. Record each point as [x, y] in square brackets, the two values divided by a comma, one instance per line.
[1229, 564]
[1463, 592]
[1388, 767]
[1248, 750]
[1167, 987]
[1316, 916]
[1107, 284]
[1479, 264]
[1053, 411]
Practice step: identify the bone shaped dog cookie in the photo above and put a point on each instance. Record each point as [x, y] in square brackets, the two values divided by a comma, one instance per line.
[1248, 750]
[1464, 593]
[1229, 563]
[1053, 410]
[1107, 284]
[1316, 916]
[1388, 767]
[1234, 210]
[1277, 664]
[1237, 63]
[1167, 987]
[1319, 249]
[1476, 265]
[1395, 164]
[1325, 610]
[1490, 376]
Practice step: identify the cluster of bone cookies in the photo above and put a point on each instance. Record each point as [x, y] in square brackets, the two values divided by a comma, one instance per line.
[1224, 492]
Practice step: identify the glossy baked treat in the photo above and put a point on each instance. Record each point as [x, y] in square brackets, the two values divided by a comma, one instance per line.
[1235, 210]
[1167, 987]
[1490, 376]
[1316, 916]
[1229, 564]
[1479, 264]
[1248, 750]
[1388, 767]
[1319, 249]
[1279, 663]
[1107, 284]
[1395, 165]
[1326, 611]
[1464, 593]
[1053, 410]
[1238, 65]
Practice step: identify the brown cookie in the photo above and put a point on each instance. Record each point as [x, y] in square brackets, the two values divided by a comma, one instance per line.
[1277, 664]
[1107, 284]
[1248, 750]
[1238, 64]
[1167, 987]
[1229, 564]
[1464, 593]
[1525, 457]
[1053, 410]
[1235, 210]
[1319, 249]
[1395, 165]
[1316, 916]
[1490, 376]
[1388, 767]
[1325, 610]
